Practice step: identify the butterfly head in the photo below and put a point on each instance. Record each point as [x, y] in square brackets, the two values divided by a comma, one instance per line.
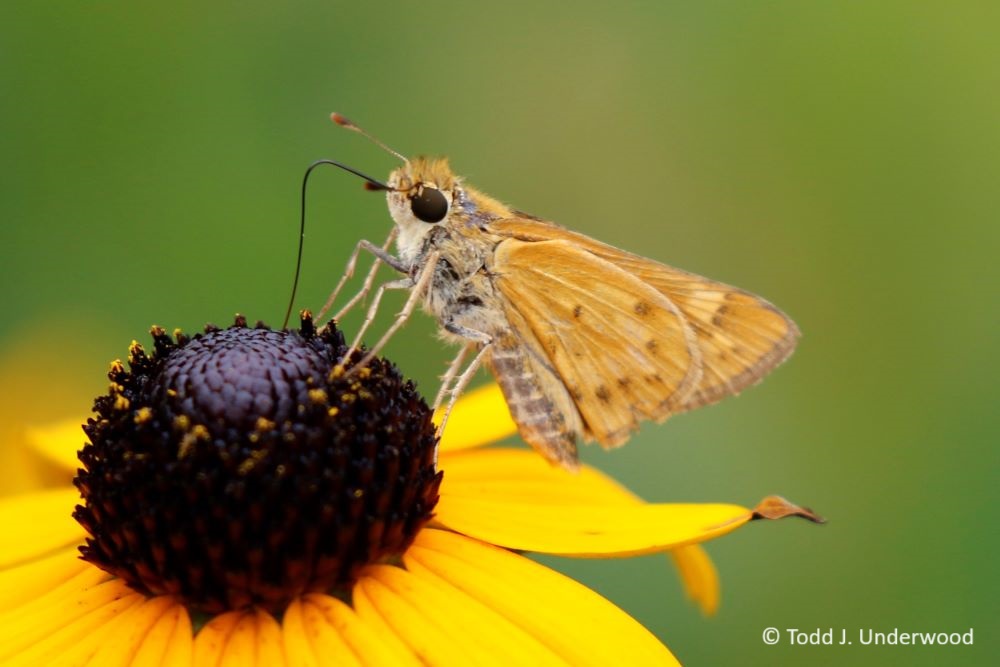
[421, 192]
[424, 194]
[421, 196]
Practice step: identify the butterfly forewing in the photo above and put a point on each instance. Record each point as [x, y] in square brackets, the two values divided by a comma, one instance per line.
[740, 336]
[620, 347]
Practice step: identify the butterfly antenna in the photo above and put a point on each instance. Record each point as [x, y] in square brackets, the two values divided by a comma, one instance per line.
[370, 183]
[344, 122]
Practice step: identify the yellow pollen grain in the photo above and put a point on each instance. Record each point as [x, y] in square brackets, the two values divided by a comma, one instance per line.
[333, 412]
[251, 461]
[263, 424]
[172, 393]
[182, 422]
[197, 433]
[187, 443]
[121, 403]
[117, 366]
[348, 398]
[365, 373]
[143, 415]
[336, 372]
[318, 396]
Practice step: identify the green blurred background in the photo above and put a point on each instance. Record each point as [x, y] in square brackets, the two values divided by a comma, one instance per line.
[839, 158]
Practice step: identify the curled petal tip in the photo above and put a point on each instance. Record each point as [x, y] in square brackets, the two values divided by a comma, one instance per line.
[776, 507]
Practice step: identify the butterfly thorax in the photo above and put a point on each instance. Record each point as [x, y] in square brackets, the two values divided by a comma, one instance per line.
[461, 292]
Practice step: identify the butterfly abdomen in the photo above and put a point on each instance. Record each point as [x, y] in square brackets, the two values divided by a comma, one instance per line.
[541, 422]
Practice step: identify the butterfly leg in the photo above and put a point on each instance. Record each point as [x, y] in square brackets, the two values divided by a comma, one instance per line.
[485, 341]
[450, 374]
[417, 285]
[381, 256]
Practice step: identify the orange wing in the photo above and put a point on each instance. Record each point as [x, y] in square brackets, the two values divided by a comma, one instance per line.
[740, 336]
[619, 346]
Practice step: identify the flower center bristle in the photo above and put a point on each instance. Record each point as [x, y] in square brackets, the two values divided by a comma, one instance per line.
[235, 468]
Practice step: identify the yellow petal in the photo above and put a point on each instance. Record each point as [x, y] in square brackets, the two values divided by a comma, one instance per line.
[270, 641]
[328, 645]
[573, 622]
[483, 634]
[520, 475]
[298, 649]
[36, 524]
[586, 530]
[371, 647]
[245, 638]
[180, 648]
[22, 583]
[79, 602]
[59, 443]
[72, 632]
[40, 386]
[128, 632]
[378, 604]
[370, 617]
[479, 418]
[169, 643]
[524, 477]
[252, 639]
[212, 641]
[699, 576]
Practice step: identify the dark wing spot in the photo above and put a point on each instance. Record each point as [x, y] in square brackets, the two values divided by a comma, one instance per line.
[577, 310]
[654, 379]
[602, 394]
[641, 308]
[652, 346]
[624, 382]
[720, 315]
[576, 394]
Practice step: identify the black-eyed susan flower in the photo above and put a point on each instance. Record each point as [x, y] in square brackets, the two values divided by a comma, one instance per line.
[241, 502]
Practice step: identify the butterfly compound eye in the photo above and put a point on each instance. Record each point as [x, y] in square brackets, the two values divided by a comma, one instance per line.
[430, 205]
